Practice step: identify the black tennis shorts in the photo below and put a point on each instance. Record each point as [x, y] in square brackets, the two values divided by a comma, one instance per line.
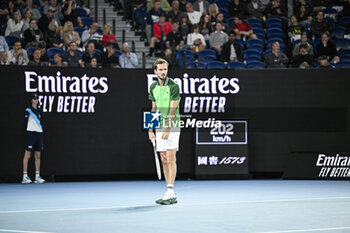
[34, 141]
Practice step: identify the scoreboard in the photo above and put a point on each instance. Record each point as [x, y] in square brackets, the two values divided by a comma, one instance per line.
[222, 150]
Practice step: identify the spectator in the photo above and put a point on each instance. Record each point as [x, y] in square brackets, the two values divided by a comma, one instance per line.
[276, 59]
[175, 14]
[217, 38]
[304, 18]
[196, 40]
[202, 6]
[17, 55]
[324, 63]
[242, 28]
[58, 60]
[57, 16]
[231, 50]
[295, 29]
[277, 9]
[320, 25]
[139, 12]
[327, 48]
[303, 41]
[193, 15]
[237, 7]
[69, 35]
[185, 26]
[168, 56]
[90, 34]
[303, 3]
[213, 11]
[127, 59]
[14, 25]
[3, 45]
[182, 6]
[12, 8]
[153, 18]
[108, 36]
[70, 14]
[28, 15]
[32, 36]
[72, 58]
[174, 40]
[205, 26]
[164, 5]
[4, 12]
[3, 58]
[303, 59]
[220, 19]
[35, 11]
[45, 20]
[52, 36]
[160, 31]
[109, 58]
[93, 63]
[44, 56]
[37, 58]
[90, 53]
[255, 9]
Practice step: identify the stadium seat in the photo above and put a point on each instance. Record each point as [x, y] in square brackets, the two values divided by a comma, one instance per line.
[329, 13]
[206, 55]
[331, 20]
[342, 43]
[338, 33]
[275, 32]
[86, 21]
[298, 41]
[235, 65]
[196, 65]
[11, 39]
[30, 51]
[118, 53]
[184, 51]
[82, 12]
[79, 30]
[216, 65]
[259, 32]
[52, 51]
[80, 52]
[255, 44]
[344, 52]
[229, 22]
[273, 39]
[344, 21]
[343, 64]
[99, 52]
[274, 21]
[3, 28]
[252, 52]
[188, 59]
[256, 64]
[99, 31]
[316, 41]
[255, 22]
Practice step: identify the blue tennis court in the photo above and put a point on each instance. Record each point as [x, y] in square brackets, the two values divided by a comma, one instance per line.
[254, 206]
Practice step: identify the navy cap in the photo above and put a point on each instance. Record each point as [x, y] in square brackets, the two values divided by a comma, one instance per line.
[35, 96]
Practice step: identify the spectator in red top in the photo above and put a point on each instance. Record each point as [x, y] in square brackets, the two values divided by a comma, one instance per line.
[160, 30]
[242, 28]
[108, 36]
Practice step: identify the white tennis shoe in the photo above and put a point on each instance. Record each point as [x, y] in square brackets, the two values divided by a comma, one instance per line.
[26, 180]
[39, 180]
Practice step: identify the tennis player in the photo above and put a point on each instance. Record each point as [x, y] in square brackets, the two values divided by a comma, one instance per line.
[165, 96]
[34, 139]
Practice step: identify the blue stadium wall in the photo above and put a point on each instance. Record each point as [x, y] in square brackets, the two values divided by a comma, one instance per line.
[288, 111]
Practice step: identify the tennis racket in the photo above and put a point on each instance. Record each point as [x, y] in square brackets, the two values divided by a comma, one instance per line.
[157, 160]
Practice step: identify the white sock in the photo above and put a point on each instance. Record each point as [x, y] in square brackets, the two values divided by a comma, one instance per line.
[170, 193]
[25, 174]
[37, 174]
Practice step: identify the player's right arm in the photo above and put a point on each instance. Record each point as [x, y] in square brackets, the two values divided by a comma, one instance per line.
[151, 134]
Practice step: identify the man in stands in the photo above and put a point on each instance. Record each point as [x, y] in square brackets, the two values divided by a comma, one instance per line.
[327, 48]
[160, 30]
[320, 26]
[193, 15]
[231, 50]
[276, 59]
[242, 28]
[72, 58]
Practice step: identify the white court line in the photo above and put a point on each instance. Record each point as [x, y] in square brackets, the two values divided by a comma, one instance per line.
[7, 230]
[309, 230]
[186, 204]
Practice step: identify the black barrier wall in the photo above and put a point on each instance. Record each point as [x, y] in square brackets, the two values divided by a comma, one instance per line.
[93, 117]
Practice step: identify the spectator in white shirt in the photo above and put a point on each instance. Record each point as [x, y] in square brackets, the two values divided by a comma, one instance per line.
[14, 25]
[193, 15]
[3, 44]
[17, 55]
[195, 38]
[127, 59]
[217, 38]
[3, 58]
[202, 6]
[90, 34]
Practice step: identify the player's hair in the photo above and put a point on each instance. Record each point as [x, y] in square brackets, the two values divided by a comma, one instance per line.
[158, 62]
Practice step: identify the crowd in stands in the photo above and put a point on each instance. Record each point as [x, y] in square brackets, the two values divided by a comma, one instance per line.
[246, 33]
[57, 33]
[188, 33]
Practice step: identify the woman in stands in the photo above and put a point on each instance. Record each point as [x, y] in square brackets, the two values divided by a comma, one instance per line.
[69, 35]
[108, 36]
[52, 36]
[27, 16]
[205, 26]
[14, 25]
[185, 26]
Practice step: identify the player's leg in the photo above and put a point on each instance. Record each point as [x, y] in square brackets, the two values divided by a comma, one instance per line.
[172, 168]
[37, 156]
[165, 165]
